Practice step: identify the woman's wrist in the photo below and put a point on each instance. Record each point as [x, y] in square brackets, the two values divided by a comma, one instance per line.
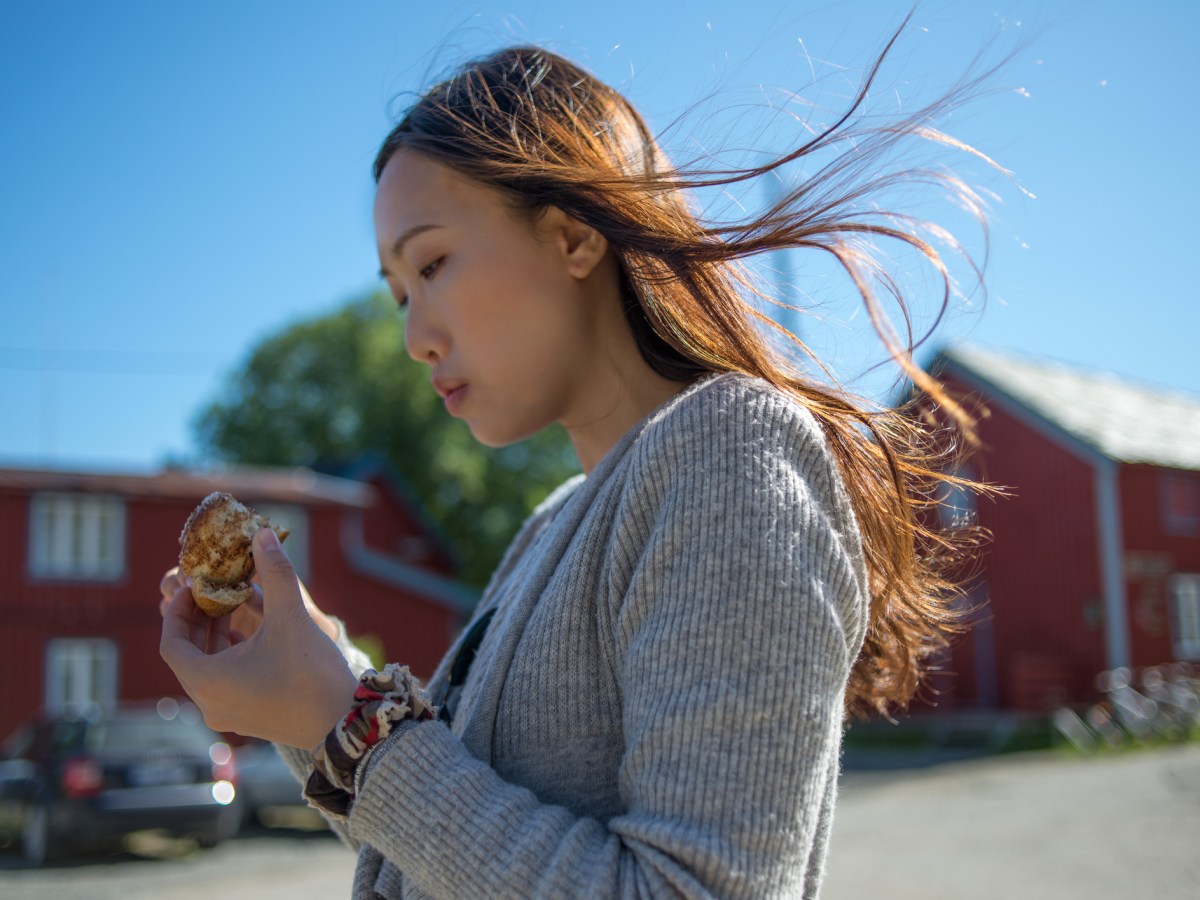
[382, 701]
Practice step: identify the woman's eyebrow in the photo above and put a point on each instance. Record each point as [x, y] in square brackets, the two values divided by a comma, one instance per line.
[406, 236]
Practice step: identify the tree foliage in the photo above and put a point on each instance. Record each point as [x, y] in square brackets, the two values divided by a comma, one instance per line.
[333, 389]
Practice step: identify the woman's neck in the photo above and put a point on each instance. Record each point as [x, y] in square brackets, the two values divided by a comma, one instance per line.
[616, 388]
[620, 406]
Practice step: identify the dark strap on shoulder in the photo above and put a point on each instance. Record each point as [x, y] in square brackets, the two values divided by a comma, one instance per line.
[461, 667]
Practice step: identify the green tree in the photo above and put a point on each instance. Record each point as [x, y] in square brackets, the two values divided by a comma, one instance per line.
[332, 389]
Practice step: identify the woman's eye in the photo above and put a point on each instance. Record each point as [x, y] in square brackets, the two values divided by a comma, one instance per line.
[401, 299]
[428, 271]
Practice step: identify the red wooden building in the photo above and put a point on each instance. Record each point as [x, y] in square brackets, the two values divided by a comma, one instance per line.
[82, 553]
[1095, 558]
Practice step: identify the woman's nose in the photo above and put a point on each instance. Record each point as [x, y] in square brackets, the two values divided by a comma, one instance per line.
[424, 338]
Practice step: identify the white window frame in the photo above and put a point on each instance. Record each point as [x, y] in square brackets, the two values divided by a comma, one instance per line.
[1183, 600]
[294, 518]
[81, 674]
[76, 536]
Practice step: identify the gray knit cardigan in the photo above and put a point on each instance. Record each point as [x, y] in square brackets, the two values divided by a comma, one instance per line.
[656, 707]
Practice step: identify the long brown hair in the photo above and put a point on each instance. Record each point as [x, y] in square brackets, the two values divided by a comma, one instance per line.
[546, 133]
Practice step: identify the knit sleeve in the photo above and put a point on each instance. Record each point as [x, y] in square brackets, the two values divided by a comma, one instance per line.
[734, 572]
[735, 637]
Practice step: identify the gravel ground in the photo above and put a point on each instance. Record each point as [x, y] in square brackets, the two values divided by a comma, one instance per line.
[1110, 827]
[282, 864]
[1041, 825]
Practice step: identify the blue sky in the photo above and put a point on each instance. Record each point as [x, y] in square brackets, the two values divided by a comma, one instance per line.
[178, 181]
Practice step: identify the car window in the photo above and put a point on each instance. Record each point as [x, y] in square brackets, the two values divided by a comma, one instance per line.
[141, 733]
[67, 735]
[18, 743]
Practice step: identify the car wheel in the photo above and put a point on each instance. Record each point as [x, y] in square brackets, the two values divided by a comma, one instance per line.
[36, 839]
[206, 840]
[248, 819]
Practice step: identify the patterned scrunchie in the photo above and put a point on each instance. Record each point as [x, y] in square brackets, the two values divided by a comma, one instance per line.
[381, 700]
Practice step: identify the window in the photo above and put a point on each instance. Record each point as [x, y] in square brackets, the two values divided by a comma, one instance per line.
[81, 674]
[1183, 592]
[295, 520]
[130, 733]
[77, 536]
[1179, 498]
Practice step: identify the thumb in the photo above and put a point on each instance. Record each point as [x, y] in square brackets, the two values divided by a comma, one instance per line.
[280, 586]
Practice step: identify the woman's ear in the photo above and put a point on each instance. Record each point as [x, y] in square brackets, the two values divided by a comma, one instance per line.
[582, 245]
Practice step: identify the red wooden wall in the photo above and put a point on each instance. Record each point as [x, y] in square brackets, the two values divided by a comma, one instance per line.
[412, 628]
[1040, 574]
[1153, 551]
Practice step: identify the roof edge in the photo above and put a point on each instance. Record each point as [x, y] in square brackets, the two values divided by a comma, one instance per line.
[1090, 453]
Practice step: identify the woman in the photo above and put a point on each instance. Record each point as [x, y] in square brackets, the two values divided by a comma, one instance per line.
[650, 697]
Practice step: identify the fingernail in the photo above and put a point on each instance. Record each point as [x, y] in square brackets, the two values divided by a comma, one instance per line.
[268, 540]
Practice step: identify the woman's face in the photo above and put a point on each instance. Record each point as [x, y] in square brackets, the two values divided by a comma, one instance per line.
[499, 309]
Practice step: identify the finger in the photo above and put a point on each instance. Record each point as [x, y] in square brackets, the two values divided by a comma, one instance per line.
[217, 636]
[178, 645]
[247, 617]
[280, 587]
[256, 586]
[255, 603]
[171, 582]
[196, 617]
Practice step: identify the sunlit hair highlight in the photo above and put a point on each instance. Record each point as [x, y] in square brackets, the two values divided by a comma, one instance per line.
[546, 133]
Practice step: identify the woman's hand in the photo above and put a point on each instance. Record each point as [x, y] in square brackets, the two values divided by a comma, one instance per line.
[284, 681]
[245, 619]
[242, 622]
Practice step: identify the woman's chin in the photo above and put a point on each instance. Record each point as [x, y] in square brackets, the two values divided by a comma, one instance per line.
[496, 438]
[488, 436]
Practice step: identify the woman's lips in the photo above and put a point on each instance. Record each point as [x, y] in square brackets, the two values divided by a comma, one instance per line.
[454, 399]
[452, 392]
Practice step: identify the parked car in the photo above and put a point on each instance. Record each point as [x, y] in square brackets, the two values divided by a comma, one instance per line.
[77, 781]
[269, 792]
